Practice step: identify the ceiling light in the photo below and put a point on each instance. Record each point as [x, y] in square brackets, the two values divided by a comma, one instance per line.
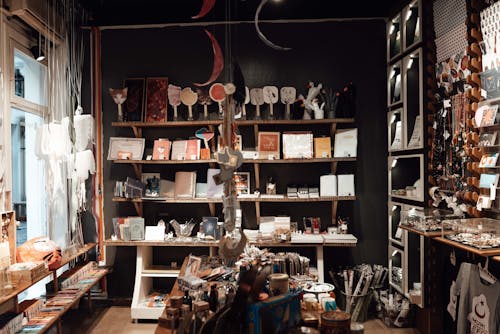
[394, 162]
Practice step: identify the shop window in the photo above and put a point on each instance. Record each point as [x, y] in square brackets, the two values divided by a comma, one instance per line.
[29, 79]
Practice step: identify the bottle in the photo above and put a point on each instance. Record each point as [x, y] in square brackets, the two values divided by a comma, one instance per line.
[205, 296]
[18, 83]
[213, 300]
[187, 300]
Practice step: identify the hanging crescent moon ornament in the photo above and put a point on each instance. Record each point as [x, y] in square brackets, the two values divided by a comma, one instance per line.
[260, 34]
[205, 8]
[218, 61]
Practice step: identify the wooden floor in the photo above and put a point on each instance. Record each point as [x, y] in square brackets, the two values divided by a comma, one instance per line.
[107, 320]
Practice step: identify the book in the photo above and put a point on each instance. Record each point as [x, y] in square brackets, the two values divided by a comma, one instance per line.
[201, 190]
[346, 143]
[322, 147]
[193, 149]
[415, 139]
[167, 188]
[397, 142]
[179, 148]
[185, 183]
[136, 228]
[489, 160]
[488, 180]
[214, 190]
[268, 145]
[161, 149]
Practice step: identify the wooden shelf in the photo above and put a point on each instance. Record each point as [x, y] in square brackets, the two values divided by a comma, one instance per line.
[25, 285]
[110, 242]
[244, 199]
[254, 161]
[419, 232]
[164, 162]
[69, 306]
[409, 198]
[239, 123]
[481, 252]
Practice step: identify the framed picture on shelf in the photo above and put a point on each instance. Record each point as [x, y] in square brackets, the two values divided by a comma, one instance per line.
[133, 108]
[193, 266]
[487, 138]
[269, 145]
[125, 148]
[161, 149]
[152, 184]
[156, 99]
[242, 183]
[297, 145]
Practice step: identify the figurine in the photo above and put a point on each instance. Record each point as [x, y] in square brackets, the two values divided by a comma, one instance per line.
[288, 95]
[311, 95]
[271, 186]
[119, 96]
[319, 113]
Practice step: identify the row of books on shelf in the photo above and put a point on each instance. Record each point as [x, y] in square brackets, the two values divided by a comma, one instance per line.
[37, 314]
[185, 186]
[270, 145]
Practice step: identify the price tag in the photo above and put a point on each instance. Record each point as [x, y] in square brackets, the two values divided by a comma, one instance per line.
[447, 104]
[270, 157]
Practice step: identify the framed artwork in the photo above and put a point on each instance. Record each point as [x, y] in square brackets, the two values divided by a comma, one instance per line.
[193, 266]
[242, 183]
[133, 108]
[297, 145]
[269, 145]
[156, 100]
[152, 184]
[126, 148]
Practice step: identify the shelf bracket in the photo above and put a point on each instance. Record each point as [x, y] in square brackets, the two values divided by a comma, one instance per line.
[211, 207]
[137, 131]
[334, 211]
[256, 169]
[333, 129]
[138, 208]
[137, 170]
[334, 167]
[257, 212]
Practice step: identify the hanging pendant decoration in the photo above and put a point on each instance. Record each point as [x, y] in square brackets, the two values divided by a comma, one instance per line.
[259, 32]
[218, 61]
[205, 9]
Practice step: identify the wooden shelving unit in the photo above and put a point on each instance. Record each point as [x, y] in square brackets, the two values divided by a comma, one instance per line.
[9, 299]
[144, 274]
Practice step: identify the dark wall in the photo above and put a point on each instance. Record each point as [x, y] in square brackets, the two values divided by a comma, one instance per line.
[333, 53]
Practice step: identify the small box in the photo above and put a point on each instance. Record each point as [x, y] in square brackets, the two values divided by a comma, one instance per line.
[26, 271]
[328, 185]
[176, 301]
[200, 306]
[205, 154]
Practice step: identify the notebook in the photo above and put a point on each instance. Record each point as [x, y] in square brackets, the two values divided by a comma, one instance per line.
[185, 183]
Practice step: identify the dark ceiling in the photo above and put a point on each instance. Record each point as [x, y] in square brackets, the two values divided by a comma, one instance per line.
[123, 12]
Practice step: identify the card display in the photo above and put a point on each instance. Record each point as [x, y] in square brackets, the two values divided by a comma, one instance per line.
[214, 190]
[488, 180]
[488, 139]
[489, 160]
[126, 148]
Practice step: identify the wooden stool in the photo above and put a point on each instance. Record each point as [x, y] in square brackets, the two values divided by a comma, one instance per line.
[335, 322]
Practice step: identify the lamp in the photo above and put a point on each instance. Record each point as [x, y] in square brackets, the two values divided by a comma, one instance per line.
[36, 50]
